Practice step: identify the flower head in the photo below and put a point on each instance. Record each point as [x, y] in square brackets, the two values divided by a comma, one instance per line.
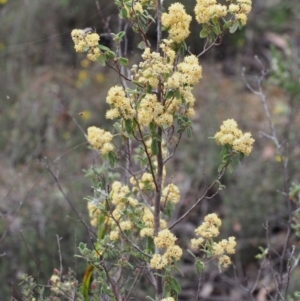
[86, 41]
[100, 139]
[177, 21]
[230, 134]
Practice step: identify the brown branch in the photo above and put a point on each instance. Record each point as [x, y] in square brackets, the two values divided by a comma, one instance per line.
[56, 180]
[204, 196]
[214, 43]
[124, 235]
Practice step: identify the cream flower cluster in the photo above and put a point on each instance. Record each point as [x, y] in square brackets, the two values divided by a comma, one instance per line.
[155, 68]
[206, 231]
[152, 69]
[240, 9]
[61, 288]
[170, 194]
[177, 21]
[210, 227]
[120, 104]
[222, 248]
[230, 134]
[208, 9]
[165, 240]
[188, 73]
[163, 145]
[86, 41]
[148, 220]
[121, 199]
[94, 214]
[100, 140]
[144, 183]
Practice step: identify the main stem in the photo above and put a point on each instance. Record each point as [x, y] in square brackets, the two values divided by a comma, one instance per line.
[159, 282]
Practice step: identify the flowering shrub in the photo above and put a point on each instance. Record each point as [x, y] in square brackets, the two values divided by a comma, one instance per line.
[152, 107]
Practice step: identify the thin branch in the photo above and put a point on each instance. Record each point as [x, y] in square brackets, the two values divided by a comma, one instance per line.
[289, 269]
[214, 43]
[59, 255]
[262, 96]
[134, 283]
[56, 180]
[124, 235]
[204, 196]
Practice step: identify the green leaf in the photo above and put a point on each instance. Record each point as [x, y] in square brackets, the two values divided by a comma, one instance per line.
[199, 266]
[191, 253]
[123, 13]
[101, 59]
[215, 30]
[128, 126]
[177, 94]
[203, 33]
[120, 34]
[103, 48]
[152, 127]
[110, 55]
[123, 61]
[142, 45]
[150, 248]
[154, 147]
[175, 285]
[189, 132]
[112, 159]
[170, 94]
[149, 89]
[233, 28]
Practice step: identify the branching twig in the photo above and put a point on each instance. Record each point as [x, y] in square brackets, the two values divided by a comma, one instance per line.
[56, 180]
[202, 197]
[59, 255]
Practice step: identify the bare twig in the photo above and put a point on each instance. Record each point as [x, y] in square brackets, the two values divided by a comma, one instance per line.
[59, 255]
[124, 235]
[204, 196]
[134, 283]
[214, 43]
[56, 180]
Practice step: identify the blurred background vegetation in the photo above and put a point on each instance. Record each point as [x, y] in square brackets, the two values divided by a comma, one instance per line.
[44, 84]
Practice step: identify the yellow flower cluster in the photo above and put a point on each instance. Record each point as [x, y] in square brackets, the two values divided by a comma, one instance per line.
[230, 134]
[151, 110]
[168, 299]
[241, 10]
[177, 21]
[207, 9]
[120, 104]
[155, 68]
[152, 69]
[210, 227]
[120, 198]
[100, 140]
[206, 231]
[61, 288]
[166, 47]
[144, 183]
[94, 213]
[221, 248]
[138, 8]
[170, 194]
[148, 219]
[164, 148]
[188, 73]
[165, 240]
[86, 41]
